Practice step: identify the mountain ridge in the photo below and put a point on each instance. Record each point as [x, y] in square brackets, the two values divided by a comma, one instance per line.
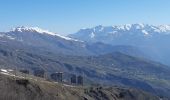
[151, 39]
[40, 38]
[99, 62]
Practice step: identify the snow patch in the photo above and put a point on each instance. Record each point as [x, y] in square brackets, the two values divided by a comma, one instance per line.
[145, 32]
[128, 26]
[7, 36]
[41, 31]
[163, 28]
[114, 32]
[92, 35]
[68, 85]
[4, 70]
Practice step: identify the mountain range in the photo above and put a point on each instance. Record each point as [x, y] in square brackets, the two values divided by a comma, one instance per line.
[152, 40]
[39, 38]
[108, 63]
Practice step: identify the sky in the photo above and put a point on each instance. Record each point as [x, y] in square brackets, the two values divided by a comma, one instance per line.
[68, 16]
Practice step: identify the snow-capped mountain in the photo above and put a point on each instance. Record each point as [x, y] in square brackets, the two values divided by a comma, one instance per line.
[23, 29]
[39, 38]
[140, 39]
[109, 33]
[153, 39]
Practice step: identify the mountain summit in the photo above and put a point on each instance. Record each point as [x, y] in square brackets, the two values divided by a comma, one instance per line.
[38, 30]
[152, 39]
[40, 38]
[100, 32]
[31, 29]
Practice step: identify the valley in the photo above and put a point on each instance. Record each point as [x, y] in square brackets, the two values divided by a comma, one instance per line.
[108, 65]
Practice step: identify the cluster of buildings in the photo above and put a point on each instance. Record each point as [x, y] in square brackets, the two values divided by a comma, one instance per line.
[74, 79]
[57, 76]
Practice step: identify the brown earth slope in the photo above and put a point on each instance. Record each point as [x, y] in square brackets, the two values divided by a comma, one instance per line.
[15, 88]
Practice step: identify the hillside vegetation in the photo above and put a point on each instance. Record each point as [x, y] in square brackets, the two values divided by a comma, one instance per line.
[17, 88]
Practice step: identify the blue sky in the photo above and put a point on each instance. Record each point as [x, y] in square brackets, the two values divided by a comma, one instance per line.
[68, 16]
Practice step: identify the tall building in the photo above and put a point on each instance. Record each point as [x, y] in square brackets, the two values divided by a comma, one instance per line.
[80, 80]
[58, 76]
[73, 79]
[39, 73]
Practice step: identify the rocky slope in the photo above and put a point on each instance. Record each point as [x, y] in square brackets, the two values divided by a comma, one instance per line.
[16, 88]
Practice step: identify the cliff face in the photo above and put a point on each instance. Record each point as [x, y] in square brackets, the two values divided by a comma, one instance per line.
[13, 88]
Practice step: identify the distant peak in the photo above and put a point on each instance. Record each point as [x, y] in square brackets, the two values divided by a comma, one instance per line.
[130, 27]
[32, 29]
[39, 30]
[163, 28]
[99, 26]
